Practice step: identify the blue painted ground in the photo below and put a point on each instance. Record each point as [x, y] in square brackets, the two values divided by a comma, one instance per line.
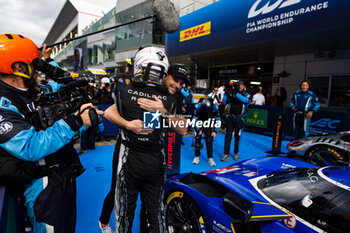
[93, 185]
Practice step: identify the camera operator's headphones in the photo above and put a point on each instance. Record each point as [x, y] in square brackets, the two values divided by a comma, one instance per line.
[150, 66]
[17, 48]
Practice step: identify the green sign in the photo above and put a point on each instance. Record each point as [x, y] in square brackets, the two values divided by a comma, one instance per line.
[257, 117]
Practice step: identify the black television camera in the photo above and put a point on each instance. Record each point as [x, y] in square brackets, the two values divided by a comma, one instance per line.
[232, 87]
[68, 99]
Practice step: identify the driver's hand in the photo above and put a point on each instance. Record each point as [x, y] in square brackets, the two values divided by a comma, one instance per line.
[309, 114]
[136, 126]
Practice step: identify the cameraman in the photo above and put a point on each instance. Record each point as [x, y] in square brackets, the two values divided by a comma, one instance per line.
[104, 93]
[237, 100]
[304, 104]
[43, 164]
[52, 85]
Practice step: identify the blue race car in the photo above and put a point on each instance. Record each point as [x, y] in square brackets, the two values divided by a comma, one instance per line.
[270, 194]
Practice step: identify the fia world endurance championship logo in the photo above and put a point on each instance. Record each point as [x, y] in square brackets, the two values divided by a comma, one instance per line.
[278, 13]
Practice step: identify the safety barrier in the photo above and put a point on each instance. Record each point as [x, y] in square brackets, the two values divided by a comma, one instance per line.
[322, 122]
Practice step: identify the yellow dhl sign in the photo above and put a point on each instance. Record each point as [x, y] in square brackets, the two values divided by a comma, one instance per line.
[196, 31]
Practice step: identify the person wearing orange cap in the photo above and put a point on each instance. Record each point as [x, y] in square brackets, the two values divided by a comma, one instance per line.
[40, 164]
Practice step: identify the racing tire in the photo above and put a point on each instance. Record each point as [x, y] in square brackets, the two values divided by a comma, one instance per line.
[325, 154]
[183, 215]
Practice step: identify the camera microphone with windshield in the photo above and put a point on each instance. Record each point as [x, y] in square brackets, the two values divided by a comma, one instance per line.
[167, 15]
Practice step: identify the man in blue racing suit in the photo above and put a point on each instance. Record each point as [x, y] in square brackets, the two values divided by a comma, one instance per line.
[304, 104]
[41, 163]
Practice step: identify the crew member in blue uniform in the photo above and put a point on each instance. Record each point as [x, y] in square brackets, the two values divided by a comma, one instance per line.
[206, 111]
[188, 101]
[304, 104]
[237, 101]
[41, 163]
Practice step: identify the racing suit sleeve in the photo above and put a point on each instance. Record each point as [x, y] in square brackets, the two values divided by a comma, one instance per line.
[55, 86]
[192, 99]
[184, 93]
[101, 127]
[20, 139]
[242, 98]
[315, 103]
[224, 99]
[292, 101]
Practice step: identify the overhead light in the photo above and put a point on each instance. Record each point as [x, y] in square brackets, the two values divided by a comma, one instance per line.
[255, 83]
[259, 68]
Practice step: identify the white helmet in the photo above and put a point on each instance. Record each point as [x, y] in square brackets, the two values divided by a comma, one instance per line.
[105, 80]
[150, 66]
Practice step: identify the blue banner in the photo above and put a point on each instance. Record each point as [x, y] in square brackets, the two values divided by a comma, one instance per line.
[230, 23]
[323, 122]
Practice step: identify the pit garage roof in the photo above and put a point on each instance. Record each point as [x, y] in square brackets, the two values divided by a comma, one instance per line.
[69, 11]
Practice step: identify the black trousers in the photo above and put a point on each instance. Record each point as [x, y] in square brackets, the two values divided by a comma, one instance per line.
[139, 173]
[208, 140]
[56, 204]
[108, 203]
[233, 125]
[88, 139]
[300, 125]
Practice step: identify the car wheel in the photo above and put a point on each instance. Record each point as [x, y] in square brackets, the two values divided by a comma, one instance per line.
[183, 215]
[326, 154]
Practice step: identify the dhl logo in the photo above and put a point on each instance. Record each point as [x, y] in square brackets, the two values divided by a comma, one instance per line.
[196, 31]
